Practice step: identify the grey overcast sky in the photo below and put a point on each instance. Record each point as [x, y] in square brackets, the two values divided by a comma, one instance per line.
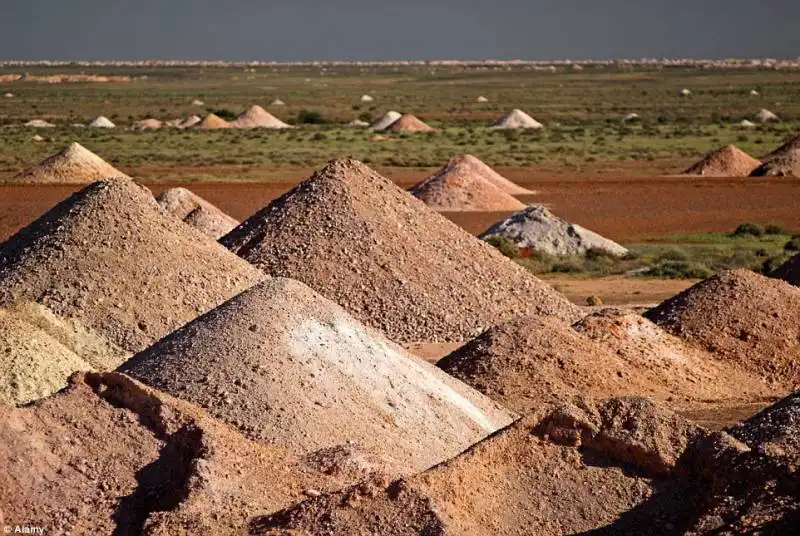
[286, 30]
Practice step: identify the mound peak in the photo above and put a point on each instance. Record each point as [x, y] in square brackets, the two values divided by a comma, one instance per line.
[728, 161]
[386, 120]
[766, 116]
[466, 183]
[409, 123]
[110, 257]
[391, 261]
[516, 118]
[75, 164]
[258, 117]
[783, 161]
[101, 122]
[291, 368]
[212, 121]
[538, 229]
[471, 165]
[743, 318]
[197, 212]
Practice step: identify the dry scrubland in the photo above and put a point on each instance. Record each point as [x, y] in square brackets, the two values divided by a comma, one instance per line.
[583, 113]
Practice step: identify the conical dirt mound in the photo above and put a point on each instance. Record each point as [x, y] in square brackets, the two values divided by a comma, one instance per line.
[461, 186]
[147, 124]
[516, 119]
[742, 317]
[574, 472]
[789, 271]
[471, 165]
[119, 458]
[290, 368]
[258, 117]
[212, 121]
[386, 120]
[782, 162]
[409, 123]
[537, 229]
[101, 122]
[72, 165]
[392, 262]
[197, 212]
[110, 257]
[729, 161]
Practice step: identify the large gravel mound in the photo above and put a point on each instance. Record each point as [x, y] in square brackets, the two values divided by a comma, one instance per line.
[392, 262]
[728, 161]
[109, 456]
[110, 257]
[258, 117]
[73, 165]
[576, 470]
[409, 123]
[744, 318]
[291, 368]
[783, 161]
[537, 229]
[197, 212]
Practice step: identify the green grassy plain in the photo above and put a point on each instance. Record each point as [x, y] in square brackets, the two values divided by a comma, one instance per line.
[582, 112]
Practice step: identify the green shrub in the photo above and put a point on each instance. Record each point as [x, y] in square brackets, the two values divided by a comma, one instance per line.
[674, 254]
[568, 267]
[772, 264]
[792, 245]
[679, 270]
[773, 229]
[310, 117]
[594, 254]
[504, 245]
[749, 229]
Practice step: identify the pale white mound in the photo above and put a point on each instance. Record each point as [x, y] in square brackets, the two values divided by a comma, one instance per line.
[684, 92]
[753, 93]
[198, 102]
[277, 102]
[293, 369]
[538, 229]
[386, 120]
[358, 123]
[37, 137]
[258, 117]
[367, 98]
[74, 164]
[482, 99]
[631, 117]
[765, 116]
[746, 124]
[39, 123]
[516, 118]
[101, 122]
[8, 95]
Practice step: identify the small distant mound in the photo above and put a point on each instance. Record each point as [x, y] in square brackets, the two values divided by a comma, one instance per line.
[386, 120]
[516, 119]
[147, 124]
[258, 117]
[74, 164]
[39, 123]
[197, 212]
[466, 164]
[277, 102]
[765, 116]
[465, 183]
[782, 162]
[409, 123]
[101, 122]
[213, 121]
[111, 258]
[367, 98]
[789, 271]
[390, 260]
[358, 123]
[577, 470]
[8, 95]
[743, 318]
[537, 229]
[744, 123]
[292, 369]
[728, 161]
[36, 138]
[481, 98]
[198, 102]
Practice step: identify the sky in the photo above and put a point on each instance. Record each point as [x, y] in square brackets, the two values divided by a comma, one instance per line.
[294, 30]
